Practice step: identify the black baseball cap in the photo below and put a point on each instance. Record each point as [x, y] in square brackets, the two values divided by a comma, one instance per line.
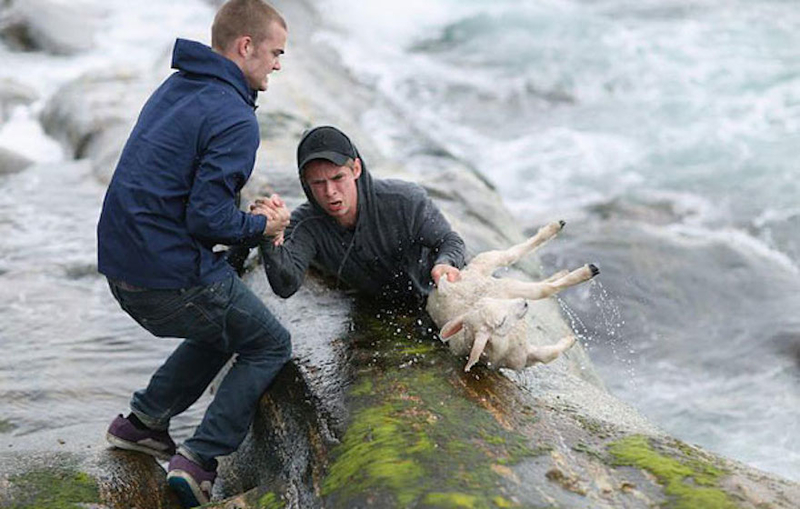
[325, 142]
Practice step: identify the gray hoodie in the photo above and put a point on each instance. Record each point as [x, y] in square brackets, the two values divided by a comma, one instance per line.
[399, 236]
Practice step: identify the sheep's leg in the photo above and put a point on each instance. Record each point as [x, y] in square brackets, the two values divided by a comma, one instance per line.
[549, 353]
[487, 262]
[478, 345]
[557, 275]
[511, 288]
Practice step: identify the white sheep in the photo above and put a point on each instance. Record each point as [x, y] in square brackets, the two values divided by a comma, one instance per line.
[481, 315]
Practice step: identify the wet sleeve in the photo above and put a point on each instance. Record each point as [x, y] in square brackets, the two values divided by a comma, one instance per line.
[434, 231]
[286, 265]
[224, 167]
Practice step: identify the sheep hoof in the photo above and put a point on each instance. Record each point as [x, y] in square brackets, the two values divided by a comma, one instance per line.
[595, 269]
[562, 223]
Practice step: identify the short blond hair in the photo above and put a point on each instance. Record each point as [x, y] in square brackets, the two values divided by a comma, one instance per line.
[236, 18]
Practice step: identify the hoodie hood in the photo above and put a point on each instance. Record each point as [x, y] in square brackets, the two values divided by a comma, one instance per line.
[195, 58]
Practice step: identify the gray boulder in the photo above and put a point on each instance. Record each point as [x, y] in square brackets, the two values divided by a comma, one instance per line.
[11, 162]
[93, 115]
[47, 25]
[12, 94]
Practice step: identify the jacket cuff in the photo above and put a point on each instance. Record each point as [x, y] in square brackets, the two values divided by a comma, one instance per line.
[259, 225]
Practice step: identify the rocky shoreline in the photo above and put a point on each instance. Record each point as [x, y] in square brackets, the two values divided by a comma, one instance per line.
[373, 410]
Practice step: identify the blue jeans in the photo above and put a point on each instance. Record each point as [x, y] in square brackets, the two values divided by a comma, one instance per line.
[215, 321]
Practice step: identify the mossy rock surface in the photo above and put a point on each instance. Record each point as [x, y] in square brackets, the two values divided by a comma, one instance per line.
[416, 436]
[56, 487]
[419, 432]
[6, 426]
[106, 479]
[689, 480]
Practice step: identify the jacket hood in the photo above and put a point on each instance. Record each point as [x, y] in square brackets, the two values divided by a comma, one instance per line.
[196, 58]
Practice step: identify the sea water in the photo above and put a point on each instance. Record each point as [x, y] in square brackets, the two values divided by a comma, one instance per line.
[665, 133]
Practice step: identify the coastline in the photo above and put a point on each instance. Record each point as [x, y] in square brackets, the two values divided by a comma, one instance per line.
[313, 90]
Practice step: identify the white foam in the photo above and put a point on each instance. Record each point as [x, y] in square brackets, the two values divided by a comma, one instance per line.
[24, 135]
[127, 34]
[773, 215]
[736, 238]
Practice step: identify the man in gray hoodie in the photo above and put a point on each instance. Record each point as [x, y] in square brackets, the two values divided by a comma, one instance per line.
[383, 238]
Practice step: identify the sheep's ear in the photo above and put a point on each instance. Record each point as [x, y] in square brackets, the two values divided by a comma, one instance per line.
[452, 327]
[481, 338]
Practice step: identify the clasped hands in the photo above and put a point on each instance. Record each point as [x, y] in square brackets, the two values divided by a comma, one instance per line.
[274, 209]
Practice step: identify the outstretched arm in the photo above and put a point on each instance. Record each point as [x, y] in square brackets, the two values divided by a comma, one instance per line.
[286, 262]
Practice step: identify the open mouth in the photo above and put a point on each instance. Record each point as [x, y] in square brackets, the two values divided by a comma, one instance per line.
[335, 205]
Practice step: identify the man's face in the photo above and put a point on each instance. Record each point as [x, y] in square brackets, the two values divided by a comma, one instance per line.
[263, 58]
[334, 188]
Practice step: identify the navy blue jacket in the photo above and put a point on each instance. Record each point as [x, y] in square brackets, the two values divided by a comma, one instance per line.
[173, 194]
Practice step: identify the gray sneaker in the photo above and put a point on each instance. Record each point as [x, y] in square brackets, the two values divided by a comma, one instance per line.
[190, 481]
[123, 434]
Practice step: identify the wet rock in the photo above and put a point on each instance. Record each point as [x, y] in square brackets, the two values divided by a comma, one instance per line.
[48, 25]
[11, 162]
[391, 420]
[6, 426]
[13, 94]
[94, 114]
[107, 479]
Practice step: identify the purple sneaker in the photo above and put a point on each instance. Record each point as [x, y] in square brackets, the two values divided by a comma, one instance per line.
[123, 434]
[190, 482]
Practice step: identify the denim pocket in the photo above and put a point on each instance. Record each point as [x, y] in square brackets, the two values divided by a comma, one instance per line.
[194, 313]
[190, 320]
[152, 305]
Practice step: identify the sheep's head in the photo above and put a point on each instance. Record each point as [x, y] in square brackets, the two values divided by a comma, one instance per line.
[489, 319]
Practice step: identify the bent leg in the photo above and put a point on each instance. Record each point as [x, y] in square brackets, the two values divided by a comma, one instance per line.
[263, 346]
[549, 353]
[183, 377]
[178, 383]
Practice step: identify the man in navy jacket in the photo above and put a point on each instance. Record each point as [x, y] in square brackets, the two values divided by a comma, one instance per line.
[171, 200]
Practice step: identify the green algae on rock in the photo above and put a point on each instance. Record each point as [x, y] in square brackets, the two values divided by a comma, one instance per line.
[271, 501]
[688, 480]
[415, 435]
[53, 488]
[6, 426]
[257, 498]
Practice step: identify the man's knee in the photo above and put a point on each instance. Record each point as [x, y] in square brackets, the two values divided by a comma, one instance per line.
[284, 344]
[273, 342]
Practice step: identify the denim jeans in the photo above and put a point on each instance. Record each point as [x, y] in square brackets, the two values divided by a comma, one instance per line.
[215, 322]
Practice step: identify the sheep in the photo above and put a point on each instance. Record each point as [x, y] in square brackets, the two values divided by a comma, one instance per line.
[482, 315]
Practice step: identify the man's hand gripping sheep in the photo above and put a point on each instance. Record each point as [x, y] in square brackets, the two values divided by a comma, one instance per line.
[482, 315]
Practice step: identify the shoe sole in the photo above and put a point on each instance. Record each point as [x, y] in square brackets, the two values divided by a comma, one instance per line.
[186, 488]
[133, 446]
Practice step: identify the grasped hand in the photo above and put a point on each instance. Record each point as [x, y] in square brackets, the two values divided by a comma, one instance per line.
[274, 209]
[452, 273]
